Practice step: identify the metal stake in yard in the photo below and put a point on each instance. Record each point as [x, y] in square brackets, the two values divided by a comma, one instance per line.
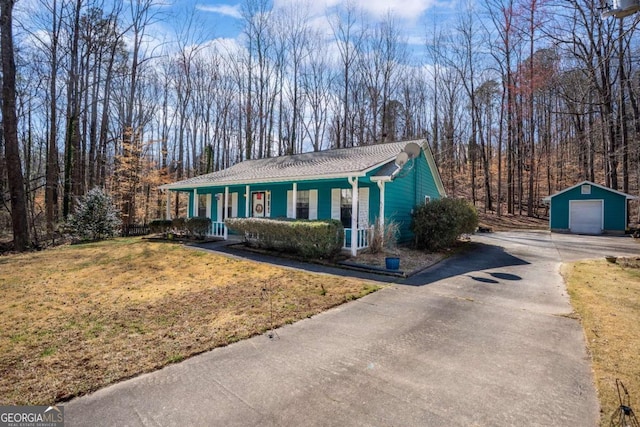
[266, 292]
[624, 416]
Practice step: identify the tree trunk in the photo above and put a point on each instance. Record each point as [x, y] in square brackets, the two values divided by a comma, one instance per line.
[10, 130]
[51, 185]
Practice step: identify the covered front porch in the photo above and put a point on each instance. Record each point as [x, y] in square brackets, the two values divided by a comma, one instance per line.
[345, 200]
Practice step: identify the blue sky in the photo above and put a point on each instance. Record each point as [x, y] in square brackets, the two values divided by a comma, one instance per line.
[222, 18]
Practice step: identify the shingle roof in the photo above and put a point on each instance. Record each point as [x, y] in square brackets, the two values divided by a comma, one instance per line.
[628, 196]
[336, 163]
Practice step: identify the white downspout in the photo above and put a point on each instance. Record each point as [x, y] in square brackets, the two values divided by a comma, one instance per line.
[354, 215]
[381, 214]
[246, 203]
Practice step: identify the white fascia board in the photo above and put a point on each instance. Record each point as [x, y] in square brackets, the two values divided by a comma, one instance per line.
[431, 161]
[381, 178]
[620, 193]
[191, 186]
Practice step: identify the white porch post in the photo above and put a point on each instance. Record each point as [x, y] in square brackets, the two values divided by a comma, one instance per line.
[381, 214]
[354, 215]
[168, 213]
[225, 212]
[294, 200]
[246, 203]
[194, 213]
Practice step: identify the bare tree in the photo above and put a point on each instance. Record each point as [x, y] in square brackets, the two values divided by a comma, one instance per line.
[348, 40]
[317, 80]
[10, 129]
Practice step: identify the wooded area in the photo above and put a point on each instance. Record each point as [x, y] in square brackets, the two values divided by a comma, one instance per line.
[518, 99]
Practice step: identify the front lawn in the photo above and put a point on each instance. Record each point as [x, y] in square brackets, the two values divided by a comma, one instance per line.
[606, 297]
[77, 318]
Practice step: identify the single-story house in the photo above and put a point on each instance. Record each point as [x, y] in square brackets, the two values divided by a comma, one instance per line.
[358, 186]
[588, 208]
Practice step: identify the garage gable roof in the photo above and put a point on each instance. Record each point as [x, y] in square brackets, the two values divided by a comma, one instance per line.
[628, 196]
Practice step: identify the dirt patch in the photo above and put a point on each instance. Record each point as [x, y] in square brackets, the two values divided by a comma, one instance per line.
[411, 260]
[628, 262]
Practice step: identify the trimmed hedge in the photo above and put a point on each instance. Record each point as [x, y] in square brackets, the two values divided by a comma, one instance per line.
[160, 225]
[179, 225]
[198, 226]
[308, 239]
[439, 223]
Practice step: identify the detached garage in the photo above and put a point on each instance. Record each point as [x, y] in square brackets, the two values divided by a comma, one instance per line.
[588, 208]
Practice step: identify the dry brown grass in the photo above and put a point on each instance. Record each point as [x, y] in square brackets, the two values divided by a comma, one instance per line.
[77, 318]
[607, 298]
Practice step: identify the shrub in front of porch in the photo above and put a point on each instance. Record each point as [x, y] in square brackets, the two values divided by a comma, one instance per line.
[439, 223]
[196, 227]
[160, 226]
[308, 239]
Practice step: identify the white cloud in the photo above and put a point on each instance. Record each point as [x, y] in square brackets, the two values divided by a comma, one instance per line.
[403, 9]
[221, 9]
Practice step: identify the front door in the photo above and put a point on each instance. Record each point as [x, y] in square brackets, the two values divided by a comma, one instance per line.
[259, 204]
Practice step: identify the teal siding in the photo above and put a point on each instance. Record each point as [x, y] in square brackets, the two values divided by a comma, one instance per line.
[400, 199]
[408, 191]
[614, 208]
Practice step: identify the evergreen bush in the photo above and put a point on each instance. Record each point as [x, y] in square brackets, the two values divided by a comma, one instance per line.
[438, 224]
[179, 225]
[307, 239]
[95, 217]
[160, 225]
[198, 226]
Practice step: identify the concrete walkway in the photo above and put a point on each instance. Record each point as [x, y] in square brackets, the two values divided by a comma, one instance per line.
[478, 340]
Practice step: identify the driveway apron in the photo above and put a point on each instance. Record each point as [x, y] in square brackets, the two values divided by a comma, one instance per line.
[481, 339]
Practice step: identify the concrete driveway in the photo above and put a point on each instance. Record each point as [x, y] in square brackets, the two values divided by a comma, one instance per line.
[478, 340]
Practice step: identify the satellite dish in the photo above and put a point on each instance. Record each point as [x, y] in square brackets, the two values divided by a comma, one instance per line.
[401, 159]
[621, 8]
[412, 149]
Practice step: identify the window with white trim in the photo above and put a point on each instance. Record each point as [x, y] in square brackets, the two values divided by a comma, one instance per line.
[202, 205]
[585, 189]
[302, 204]
[345, 207]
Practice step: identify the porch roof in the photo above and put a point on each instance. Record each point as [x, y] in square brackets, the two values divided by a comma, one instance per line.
[337, 163]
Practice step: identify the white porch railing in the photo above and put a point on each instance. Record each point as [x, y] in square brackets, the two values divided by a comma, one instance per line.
[363, 237]
[218, 229]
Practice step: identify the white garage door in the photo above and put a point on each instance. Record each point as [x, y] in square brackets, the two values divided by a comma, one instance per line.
[585, 216]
